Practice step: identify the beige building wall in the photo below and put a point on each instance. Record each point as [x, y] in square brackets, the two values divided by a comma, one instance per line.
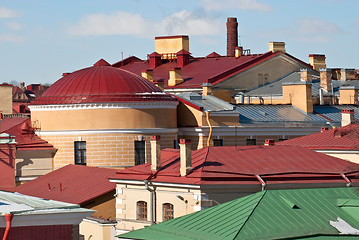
[92, 230]
[85, 119]
[266, 72]
[299, 95]
[6, 99]
[104, 150]
[348, 95]
[352, 156]
[34, 163]
[128, 195]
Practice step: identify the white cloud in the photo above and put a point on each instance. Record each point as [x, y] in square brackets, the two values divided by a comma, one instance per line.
[311, 30]
[8, 13]
[212, 5]
[125, 23]
[10, 38]
[13, 26]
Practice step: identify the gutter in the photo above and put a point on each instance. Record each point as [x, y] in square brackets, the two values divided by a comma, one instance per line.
[8, 217]
[152, 201]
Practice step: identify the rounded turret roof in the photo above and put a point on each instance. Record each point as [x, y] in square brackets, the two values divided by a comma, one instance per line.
[101, 83]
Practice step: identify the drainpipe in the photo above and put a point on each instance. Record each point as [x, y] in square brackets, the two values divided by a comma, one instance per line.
[210, 128]
[152, 193]
[264, 184]
[8, 217]
[349, 183]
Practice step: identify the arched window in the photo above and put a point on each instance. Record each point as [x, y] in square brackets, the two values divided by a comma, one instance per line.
[142, 210]
[167, 209]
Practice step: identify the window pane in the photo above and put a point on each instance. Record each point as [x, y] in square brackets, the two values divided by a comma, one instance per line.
[80, 152]
[140, 152]
[217, 142]
[167, 211]
[142, 210]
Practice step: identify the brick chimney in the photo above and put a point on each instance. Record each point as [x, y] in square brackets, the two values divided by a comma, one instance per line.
[154, 60]
[347, 116]
[348, 95]
[232, 36]
[185, 157]
[183, 58]
[277, 47]
[317, 61]
[305, 75]
[175, 76]
[148, 74]
[326, 79]
[155, 153]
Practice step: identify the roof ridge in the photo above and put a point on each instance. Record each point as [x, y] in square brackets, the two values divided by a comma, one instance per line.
[239, 230]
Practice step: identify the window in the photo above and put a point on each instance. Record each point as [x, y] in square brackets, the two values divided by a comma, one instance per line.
[167, 209]
[142, 210]
[175, 144]
[140, 152]
[251, 141]
[80, 152]
[217, 142]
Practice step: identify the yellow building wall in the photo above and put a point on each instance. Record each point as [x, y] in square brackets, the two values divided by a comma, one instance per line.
[87, 119]
[189, 116]
[348, 96]
[299, 95]
[6, 99]
[104, 150]
[92, 230]
[165, 45]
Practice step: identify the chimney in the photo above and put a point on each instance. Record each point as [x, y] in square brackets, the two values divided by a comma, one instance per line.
[323, 129]
[175, 76]
[154, 60]
[148, 74]
[232, 36]
[305, 75]
[299, 94]
[269, 142]
[160, 84]
[65, 74]
[347, 116]
[182, 58]
[155, 153]
[238, 52]
[348, 95]
[206, 89]
[326, 79]
[317, 61]
[185, 156]
[277, 47]
[22, 86]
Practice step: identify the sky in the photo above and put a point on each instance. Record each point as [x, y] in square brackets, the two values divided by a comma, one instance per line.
[40, 40]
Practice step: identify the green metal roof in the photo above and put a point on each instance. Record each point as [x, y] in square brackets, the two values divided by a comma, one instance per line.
[270, 214]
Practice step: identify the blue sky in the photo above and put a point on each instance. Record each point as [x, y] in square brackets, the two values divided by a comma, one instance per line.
[39, 40]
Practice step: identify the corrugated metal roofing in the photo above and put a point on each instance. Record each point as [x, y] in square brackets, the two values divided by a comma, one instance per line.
[16, 203]
[276, 113]
[208, 103]
[72, 184]
[263, 215]
[333, 112]
[240, 165]
[347, 139]
[101, 83]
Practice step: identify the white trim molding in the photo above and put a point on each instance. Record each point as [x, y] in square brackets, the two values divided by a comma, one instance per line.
[120, 105]
[108, 131]
[157, 184]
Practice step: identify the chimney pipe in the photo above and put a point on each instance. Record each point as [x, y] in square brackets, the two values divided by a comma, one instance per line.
[269, 142]
[175, 76]
[185, 157]
[232, 36]
[326, 79]
[155, 153]
[148, 74]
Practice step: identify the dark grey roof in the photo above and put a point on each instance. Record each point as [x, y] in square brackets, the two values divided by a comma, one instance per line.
[275, 88]
[276, 114]
[333, 112]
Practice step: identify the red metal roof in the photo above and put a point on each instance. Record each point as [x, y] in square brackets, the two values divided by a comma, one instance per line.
[344, 138]
[25, 137]
[240, 165]
[72, 184]
[213, 69]
[101, 83]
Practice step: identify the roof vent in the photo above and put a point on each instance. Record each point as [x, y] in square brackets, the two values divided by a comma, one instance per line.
[322, 129]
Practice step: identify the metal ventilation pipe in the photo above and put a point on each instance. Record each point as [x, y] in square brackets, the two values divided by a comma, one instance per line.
[321, 97]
